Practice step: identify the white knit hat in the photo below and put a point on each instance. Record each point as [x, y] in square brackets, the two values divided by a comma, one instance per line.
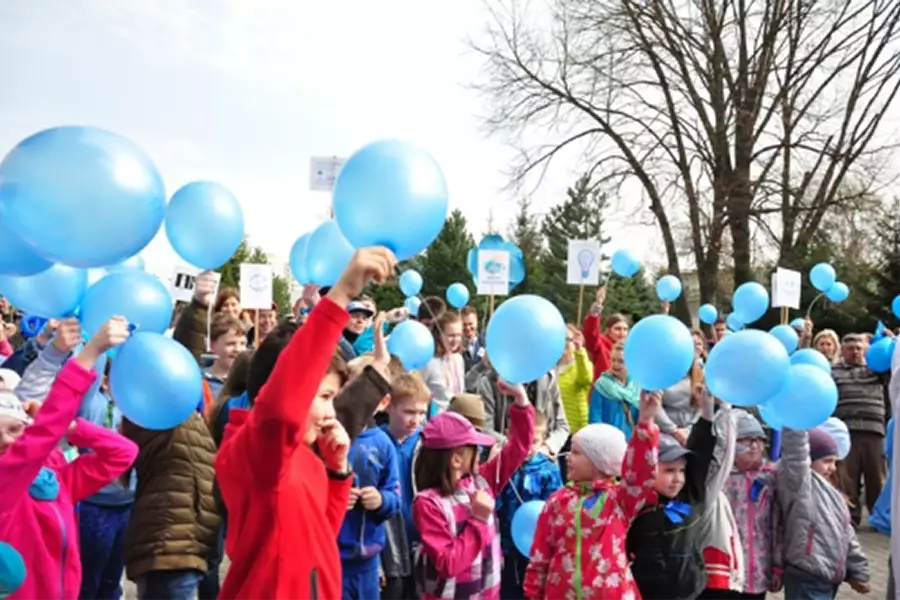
[11, 406]
[9, 378]
[604, 445]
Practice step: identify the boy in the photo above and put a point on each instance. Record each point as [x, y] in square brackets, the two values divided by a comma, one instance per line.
[406, 415]
[226, 341]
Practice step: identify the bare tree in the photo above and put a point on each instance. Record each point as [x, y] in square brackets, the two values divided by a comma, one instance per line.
[732, 115]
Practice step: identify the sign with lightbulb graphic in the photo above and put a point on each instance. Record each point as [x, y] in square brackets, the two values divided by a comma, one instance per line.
[583, 263]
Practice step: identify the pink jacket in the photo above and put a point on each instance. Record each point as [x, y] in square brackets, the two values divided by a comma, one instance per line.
[44, 531]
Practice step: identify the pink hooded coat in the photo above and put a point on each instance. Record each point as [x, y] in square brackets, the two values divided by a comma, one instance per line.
[44, 531]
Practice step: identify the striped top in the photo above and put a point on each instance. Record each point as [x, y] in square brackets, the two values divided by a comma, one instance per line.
[861, 398]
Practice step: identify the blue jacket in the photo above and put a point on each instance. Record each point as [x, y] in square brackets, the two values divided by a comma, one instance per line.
[406, 452]
[19, 360]
[880, 518]
[537, 479]
[612, 411]
[374, 462]
[99, 409]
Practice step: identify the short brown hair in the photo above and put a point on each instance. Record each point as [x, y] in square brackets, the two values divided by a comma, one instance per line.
[468, 310]
[338, 366]
[409, 386]
[615, 320]
[223, 325]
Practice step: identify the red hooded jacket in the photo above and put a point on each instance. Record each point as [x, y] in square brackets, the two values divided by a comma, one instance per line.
[284, 513]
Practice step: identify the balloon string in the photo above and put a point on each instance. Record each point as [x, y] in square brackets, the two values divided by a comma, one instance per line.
[812, 304]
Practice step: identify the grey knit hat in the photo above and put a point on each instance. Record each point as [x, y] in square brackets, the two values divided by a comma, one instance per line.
[747, 426]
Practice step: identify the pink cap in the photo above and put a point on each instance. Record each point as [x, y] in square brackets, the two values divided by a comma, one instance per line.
[449, 430]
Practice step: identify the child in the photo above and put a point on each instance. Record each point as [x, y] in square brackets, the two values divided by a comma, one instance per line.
[227, 340]
[575, 376]
[821, 547]
[579, 543]
[460, 554]
[750, 489]
[40, 490]
[537, 479]
[615, 397]
[445, 374]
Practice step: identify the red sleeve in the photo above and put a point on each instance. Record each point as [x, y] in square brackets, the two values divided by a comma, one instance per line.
[262, 447]
[449, 552]
[500, 469]
[591, 332]
[639, 470]
[535, 582]
[111, 455]
[338, 498]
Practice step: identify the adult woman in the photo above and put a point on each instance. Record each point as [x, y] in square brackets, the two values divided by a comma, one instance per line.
[828, 343]
[600, 343]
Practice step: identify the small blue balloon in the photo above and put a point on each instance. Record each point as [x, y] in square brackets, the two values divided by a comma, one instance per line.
[410, 283]
[391, 194]
[136, 263]
[12, 570]
[747, 367]
[412, 304]
[708, 314]
[81, 196]
[327, 254]
[838, 292]
[668, 288]
[18, 258]
[809, 356]
[54, 293]
[879, 355]
[799, 324]
[659, 352]
[624, 263]
[298, 259]
[524, 525]
[156, 381]
[806, 400]
[787, 335]
[895, 306]
[412, 343]
[139, 297]
[204, 224]
[525, 338]
[734, 323]
[750, 301]
[457, 295]
[822, 276]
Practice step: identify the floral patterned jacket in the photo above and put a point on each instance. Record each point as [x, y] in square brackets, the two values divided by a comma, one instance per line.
[579, 544]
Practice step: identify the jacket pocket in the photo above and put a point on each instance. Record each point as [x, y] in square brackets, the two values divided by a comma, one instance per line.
[810, 536]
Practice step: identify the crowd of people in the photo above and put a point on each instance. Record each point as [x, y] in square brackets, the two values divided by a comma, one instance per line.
[324, 469]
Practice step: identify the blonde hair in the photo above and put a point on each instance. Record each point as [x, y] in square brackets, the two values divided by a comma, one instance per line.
[356, 366]
[833, 336]
[409, 386]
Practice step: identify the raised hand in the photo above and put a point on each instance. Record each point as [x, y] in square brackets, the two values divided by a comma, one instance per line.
[650, 405]
[68, 335]
[367, 265]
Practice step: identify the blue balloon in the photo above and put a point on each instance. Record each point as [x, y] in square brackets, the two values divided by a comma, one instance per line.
[668, 288]
[457, 295]
[624, 263]
[391, 194]
[770, 416]
[53, 294]
[327, 254]
[806, 400]
[787, 335]
[156, 381]
[18, 258]
[136, 263]
[12, 570]
[524, 524]
[838, 292]
[412, 304]
[412, 343]
[799, 324]
[733, 322]
[204, 224]
[809, 356]
[879, 355]
[298, 259]
[822, 276]
[747, 367]
[708, 314]
[410, 283]
[659, 352]
[525, 338]
[841, 434]
[750, 301]
[895, 306]
[81, 196]
[139, 297]
[32, 325]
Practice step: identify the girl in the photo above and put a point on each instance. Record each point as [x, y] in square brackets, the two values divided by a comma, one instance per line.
[445, 374]
[821, 548]
[578, 548]
[460, 554]
[599, 343]
[40, 490]
[615, 397]
[575, 375]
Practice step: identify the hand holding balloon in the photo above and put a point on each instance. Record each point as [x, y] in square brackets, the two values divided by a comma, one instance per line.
[650, 405]
[112, 333]
[46, 334]
[68, 335]
[517, 391]
[367, 265]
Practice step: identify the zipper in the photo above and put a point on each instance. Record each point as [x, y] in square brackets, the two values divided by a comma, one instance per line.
[751, 529]
[362, 535]
[65, 552]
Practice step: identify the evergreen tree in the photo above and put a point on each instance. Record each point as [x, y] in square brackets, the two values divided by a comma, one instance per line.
[245, 253]
[886, 271]
[444, 262]
[526, 234]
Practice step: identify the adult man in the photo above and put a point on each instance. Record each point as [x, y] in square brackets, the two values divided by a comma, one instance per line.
[473, 343]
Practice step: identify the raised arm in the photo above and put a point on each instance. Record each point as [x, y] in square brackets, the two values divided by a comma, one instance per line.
[556, 438]
[111, 455]
[726, 440]
[641, 458]
[38, 377]
[498, 470]
[702, 444]
[794, 468]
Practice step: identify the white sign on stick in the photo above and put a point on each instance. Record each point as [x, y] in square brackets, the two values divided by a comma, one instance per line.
[323, 171]
[256, 286]
[493, 273]
[184, 279]
[583, 262]
[786, 288]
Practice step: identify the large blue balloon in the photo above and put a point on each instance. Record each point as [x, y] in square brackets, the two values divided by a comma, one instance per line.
[787, 335]
[806, 399]
[53, 294]
[136, 262]
[525, 338]
[524, 524]
[659, 352]
[410, 282]
[810, 356]
[412, 343]
[750, 301]
[879, 355]
[838, 292]
[139, 297]
[708, 314]
[156, 381]
[391, 194]
[81, 196]
[298, 259]
[204, 224]
[327, 254]
[822, 276]
[668, 288]
[624, 263]
[18, 258]
[895, 305]
[457, 295]
[747, 367]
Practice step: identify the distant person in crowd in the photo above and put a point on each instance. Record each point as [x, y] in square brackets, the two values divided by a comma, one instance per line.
[431, 310]
[575, 375]
[445, 373]
[267, 320]
[828, 343]
[600, 335]
[193, 323]
[473, 341]
[227, 340]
